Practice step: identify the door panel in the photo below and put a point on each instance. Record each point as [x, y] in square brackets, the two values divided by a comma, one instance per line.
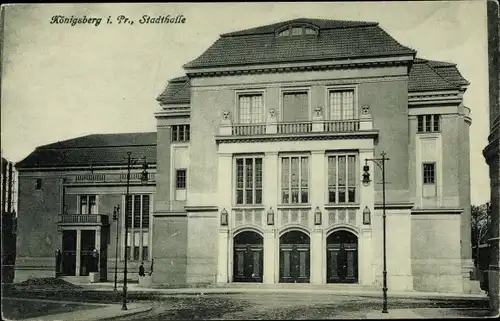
[248, 263]
[69, 252]
[294, 263]
[342, 263]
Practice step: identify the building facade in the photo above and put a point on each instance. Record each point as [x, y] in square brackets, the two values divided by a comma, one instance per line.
[492, 154]
[262, 171]
[68, 193]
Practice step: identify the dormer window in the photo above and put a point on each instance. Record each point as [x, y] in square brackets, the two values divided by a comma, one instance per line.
[297, 31]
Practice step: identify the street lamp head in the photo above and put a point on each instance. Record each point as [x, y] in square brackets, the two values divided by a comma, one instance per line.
[116, 210]
[223, 217]
[366, 175]
[366, 216]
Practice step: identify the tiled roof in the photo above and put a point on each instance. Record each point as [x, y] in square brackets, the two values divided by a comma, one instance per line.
[336, 40]
[97, 150]
[430, 75]
[176, 92]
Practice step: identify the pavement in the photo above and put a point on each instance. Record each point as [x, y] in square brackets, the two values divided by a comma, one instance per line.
[106, 312]
[114, 311]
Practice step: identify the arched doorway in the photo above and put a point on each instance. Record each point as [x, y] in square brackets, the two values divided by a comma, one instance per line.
[342, 257]
[248, 257]
[294, 257]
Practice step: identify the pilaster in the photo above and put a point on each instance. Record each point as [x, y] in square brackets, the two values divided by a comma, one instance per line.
[78, 250]
[270, 183]
[269, 256]
[222, 262]
[316, 257]
[318, 180]
[224, 193]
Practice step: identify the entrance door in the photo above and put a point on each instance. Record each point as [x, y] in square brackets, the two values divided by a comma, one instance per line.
[87, 261]
[248, 257]
[69, 252]
[294, 258]
[342, 258]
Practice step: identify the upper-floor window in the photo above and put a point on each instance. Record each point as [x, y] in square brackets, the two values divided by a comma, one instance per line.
[250, 108]
[248, 180]
[38, 183]
[137, 211]
[295, 106]
[429, 123]
[341, 105]
[429, 173]
[295, 180]
[88, 204]
[180, 179]
[180, 133]
[341, 179]
[297, 31]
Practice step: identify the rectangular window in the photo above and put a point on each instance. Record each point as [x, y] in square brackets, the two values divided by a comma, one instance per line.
[429, 172]
[295, 180]
[296, 106]
[428, 123]
[248, 180]
[180, 133]
[180, 179]
[137, 220]
[250, 109]
[88, 204]
[342, 179]
[341, 105]
[296, 31]
[38, 183]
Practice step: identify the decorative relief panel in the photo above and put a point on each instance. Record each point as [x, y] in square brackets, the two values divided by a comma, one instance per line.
[248, 216]
[342, 216]
[294, 216]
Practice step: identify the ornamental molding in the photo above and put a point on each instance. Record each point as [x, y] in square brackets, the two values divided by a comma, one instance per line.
[368, 134]
[201, 208]
[169, 214]
[267, 70]
[180, 112]
[436, 211]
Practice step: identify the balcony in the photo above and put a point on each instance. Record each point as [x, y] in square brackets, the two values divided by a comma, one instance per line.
[103, 178]
[315, 127]
[80, 219]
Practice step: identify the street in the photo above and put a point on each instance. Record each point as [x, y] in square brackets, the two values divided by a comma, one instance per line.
[271, 306]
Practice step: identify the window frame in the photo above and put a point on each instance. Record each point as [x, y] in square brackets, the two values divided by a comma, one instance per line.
[80, 197]
[175, 135]
[294, 90]
[341, 88]
[244, 189]
[141, 230]
[288, 29]
[422, 121]
[249, 92]
[300, 186]
[356, 185]
[38, 184]
[434, 173]
[177, 171]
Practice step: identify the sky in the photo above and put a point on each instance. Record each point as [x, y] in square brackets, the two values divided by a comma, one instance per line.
[61, 81]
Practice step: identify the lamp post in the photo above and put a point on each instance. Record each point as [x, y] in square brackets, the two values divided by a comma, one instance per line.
[366, 179]
[144, 178]
[116, 214]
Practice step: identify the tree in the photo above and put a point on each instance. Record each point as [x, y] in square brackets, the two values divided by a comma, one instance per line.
[481, 221]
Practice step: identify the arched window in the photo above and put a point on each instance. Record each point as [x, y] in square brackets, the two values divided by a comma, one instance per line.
[297, 31]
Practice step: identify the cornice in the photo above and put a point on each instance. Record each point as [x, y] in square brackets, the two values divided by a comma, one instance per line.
[85, 168]
[201, 208]
[169, 213]
[394, 205]
[363, 134]
[170, 113]
[295, 67]
[436, 211]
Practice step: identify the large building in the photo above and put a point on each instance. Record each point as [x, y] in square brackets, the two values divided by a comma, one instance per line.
[262, 170]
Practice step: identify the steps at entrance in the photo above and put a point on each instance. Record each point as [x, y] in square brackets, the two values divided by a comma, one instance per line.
[299, 286]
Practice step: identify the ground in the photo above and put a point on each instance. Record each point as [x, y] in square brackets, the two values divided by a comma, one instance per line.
[30, 300]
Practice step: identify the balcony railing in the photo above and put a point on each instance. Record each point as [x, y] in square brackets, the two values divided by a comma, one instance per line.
[248, 129]
[341, 125]
[108, 178]
[81, 219]
[295, 127]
